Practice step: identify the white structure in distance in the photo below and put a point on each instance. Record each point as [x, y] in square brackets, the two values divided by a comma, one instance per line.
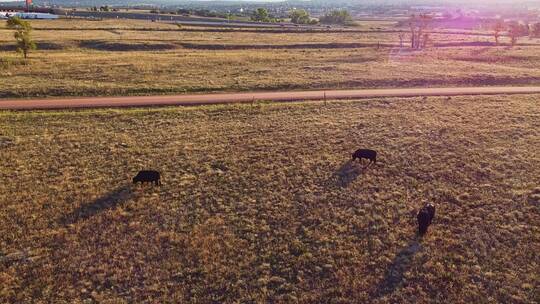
[22, 15]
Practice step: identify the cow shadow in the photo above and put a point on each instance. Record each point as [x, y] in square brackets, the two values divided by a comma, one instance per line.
[393, 277]
[103, 203]
[348, 173]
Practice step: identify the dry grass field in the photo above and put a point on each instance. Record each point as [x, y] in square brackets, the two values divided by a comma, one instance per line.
[260, 203]
[123, 57]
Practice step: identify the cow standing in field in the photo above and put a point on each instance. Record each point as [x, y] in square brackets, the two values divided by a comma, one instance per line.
[370, 155]
[152, 177]
[425, 217]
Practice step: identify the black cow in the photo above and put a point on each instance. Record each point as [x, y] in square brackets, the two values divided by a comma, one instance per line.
[425, 217]
[148, 177]
[371, 155]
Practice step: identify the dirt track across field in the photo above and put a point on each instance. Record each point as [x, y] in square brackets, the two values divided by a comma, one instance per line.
[230, 98]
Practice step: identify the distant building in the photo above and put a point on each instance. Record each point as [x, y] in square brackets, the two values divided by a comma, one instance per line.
[22, 15]
[5, 15]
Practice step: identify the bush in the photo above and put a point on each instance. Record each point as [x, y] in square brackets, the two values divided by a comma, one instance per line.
[299, 17]
[261, 15]
[22, 35]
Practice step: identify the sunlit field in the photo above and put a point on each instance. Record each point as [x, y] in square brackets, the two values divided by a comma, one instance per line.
[122, 57]
[260, 203]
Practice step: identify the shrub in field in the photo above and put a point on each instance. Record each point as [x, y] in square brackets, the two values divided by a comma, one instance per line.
[299, 17]
[261, 15]
[22, 35]
[336, 17]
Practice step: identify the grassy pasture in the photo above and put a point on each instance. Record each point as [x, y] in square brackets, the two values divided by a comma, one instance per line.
[126, 57]
[260, 203]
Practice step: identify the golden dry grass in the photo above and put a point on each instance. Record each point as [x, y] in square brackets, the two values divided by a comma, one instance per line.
[260, 203]
[122, 57]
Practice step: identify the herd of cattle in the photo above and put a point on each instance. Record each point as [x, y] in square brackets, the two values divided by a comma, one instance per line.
[425, 215]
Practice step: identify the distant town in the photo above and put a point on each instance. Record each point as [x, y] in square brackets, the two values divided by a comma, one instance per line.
[448, 15]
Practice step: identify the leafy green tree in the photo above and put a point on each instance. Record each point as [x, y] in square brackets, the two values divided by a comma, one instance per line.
[22, 35]
[261, 15]
[337, 17]
[299, 17]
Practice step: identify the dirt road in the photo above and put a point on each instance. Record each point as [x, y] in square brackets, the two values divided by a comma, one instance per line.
[204, 99]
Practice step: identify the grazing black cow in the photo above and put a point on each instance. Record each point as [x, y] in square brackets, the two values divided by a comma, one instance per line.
[371, 155]
[148, 177]
[425, 217]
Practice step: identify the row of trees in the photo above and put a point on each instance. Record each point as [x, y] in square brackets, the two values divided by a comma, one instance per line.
[515, 30]
[300, 16]
[104, 8]
[419, 26]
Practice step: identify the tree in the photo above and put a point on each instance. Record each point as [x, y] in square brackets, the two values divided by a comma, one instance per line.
[418, 26]
[299, 17]
[517, 30]
[425, 41]
[22, 35]
[336, 17]
[535, 30]
[261, 15]
[498, 27]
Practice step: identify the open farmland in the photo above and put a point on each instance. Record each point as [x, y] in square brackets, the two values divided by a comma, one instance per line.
[127, 57]
[261, 204]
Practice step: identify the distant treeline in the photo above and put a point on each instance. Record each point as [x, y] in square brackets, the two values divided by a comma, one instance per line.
[195, 12]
